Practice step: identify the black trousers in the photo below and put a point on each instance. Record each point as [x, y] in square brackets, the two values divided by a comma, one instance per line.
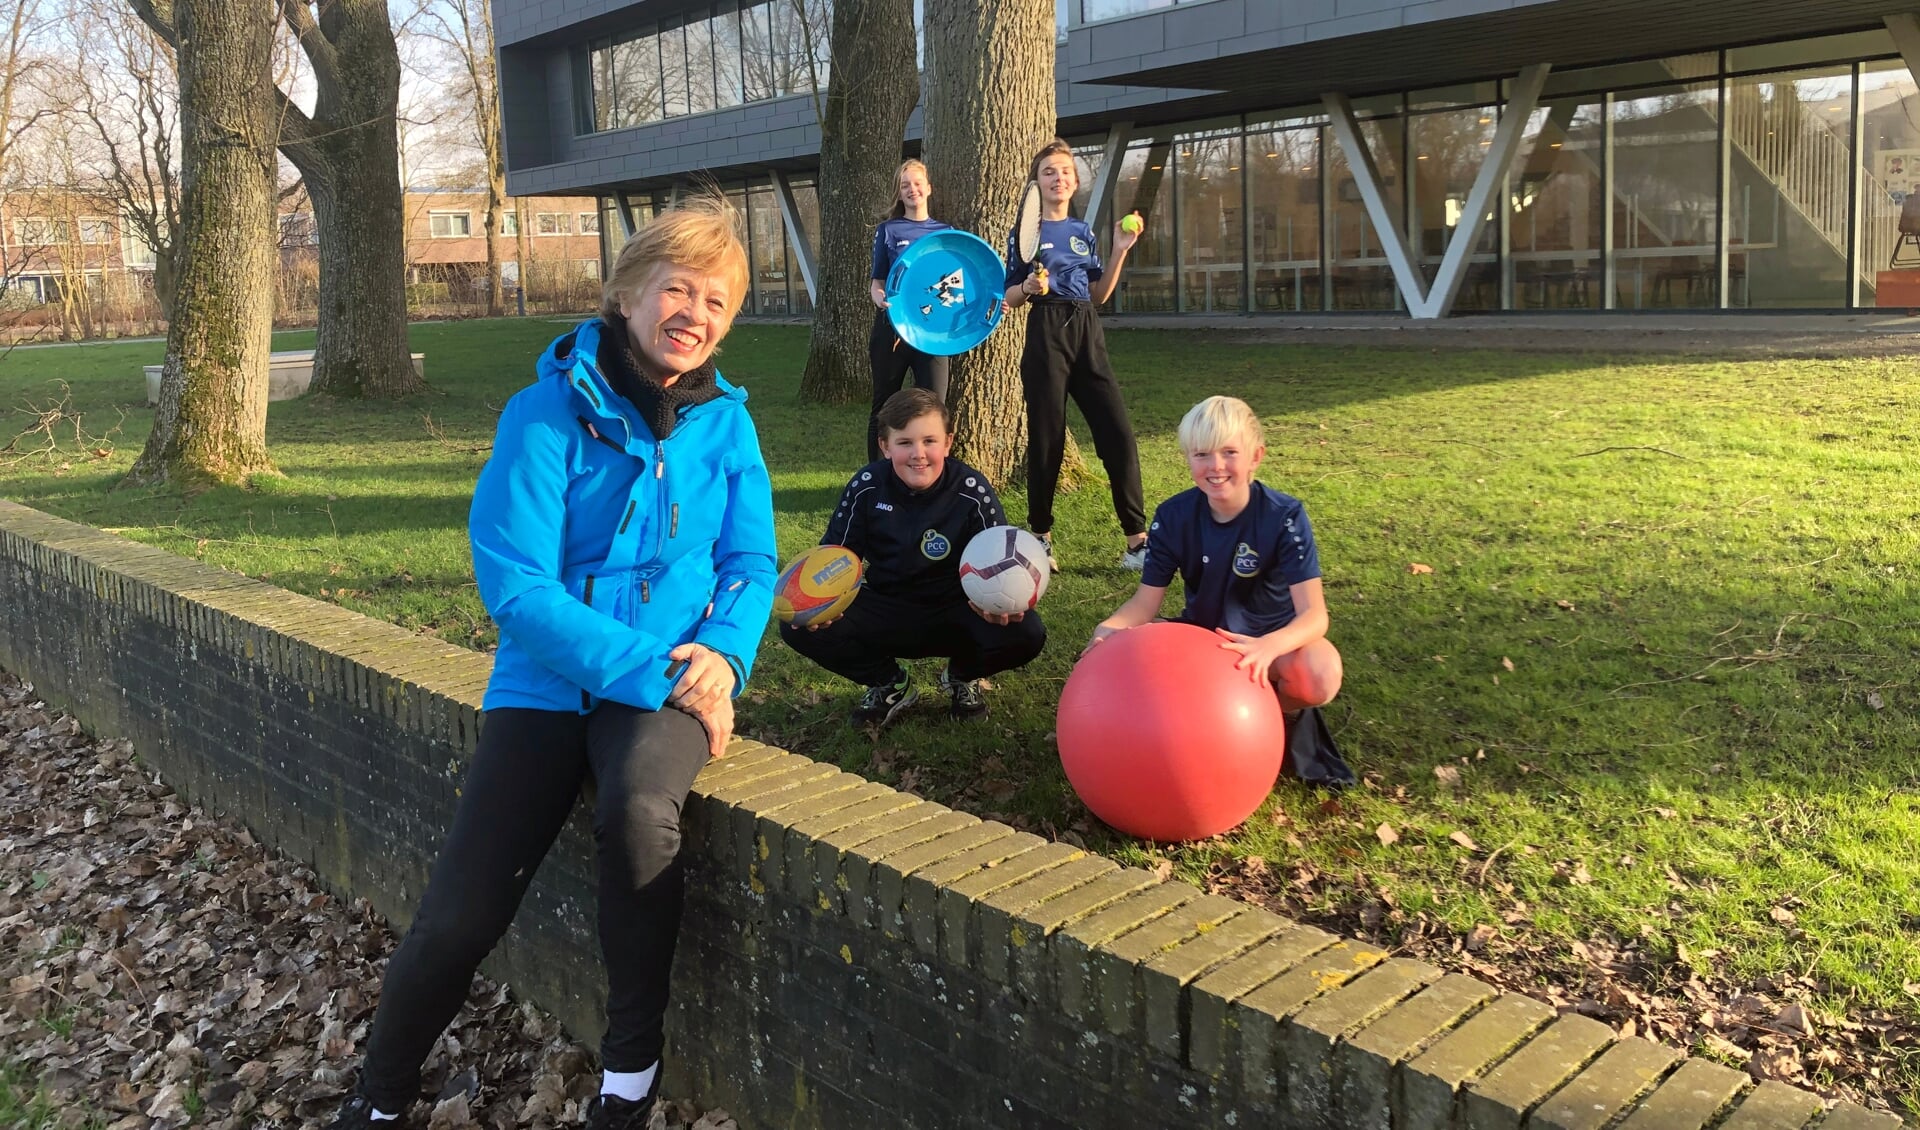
[525, 776]
[1066, 356]
[866, 643]
[892, 359]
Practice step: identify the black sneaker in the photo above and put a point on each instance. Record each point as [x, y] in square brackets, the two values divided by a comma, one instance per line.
[357, 1114]
[881, 704]
[969, 701]
[611, 1112]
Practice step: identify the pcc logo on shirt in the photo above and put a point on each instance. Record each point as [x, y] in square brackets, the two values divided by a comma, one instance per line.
[1246, 563]
[934, 545]
[1080, 246]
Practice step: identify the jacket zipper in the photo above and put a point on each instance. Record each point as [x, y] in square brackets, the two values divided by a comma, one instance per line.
[673, 528]
[586, 597]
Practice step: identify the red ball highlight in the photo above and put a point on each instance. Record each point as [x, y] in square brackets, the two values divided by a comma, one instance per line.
[1163, 739]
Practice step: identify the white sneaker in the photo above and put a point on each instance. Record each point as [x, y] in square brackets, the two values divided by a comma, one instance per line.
[1135, 559]
[1053, 563]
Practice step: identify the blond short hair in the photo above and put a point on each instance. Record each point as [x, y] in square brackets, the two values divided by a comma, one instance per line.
[701, 233]
[1217, 421]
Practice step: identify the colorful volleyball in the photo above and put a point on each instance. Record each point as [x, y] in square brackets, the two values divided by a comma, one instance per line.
[816, 587]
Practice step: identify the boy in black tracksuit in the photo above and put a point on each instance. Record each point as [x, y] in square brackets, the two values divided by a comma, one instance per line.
[909, 516]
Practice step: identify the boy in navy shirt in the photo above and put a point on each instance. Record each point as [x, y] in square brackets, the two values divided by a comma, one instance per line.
[1252, 573]
[909, 516]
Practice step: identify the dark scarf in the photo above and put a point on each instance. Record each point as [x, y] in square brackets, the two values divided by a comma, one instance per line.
[659, 407]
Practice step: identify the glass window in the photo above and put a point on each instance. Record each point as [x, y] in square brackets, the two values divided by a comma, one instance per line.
[550, 223]
[1555, 193]
[769, 251]
[1086, 166]
[1092, 10]
[1212, 224]
[818, 34]
[1788, 191]
[589, 223]
[137, 252]
[1362, 280]
[1890, 126]
[673, 70]
[598, 89]
[756, 52]
[700, 70]
[450, 225]
[1283, 177]
[787, 40]
[806, 204]
[636, 83]
[1665, 199]
[724, 29]
[96, 229]
[509, 222]
[1145, 185]
[1448, 150]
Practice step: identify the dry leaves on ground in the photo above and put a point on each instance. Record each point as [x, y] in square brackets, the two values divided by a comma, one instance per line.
[166, 968]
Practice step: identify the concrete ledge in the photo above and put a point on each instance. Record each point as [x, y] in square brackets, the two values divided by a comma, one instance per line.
[289, 374]
[852, 957]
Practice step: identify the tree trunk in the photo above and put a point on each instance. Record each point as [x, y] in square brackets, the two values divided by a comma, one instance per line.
[349, 156]
[212, 421]
[989, 108]
[860, 141]
[496, 196]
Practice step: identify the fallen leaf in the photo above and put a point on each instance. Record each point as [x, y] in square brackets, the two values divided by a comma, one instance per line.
[1564, 605]
[1463, 840]
[1782, 915]
[1875, 701]
[1163, 869]
[1480, 935]
[1447, 774]
[1388, 837]
[1416, 568]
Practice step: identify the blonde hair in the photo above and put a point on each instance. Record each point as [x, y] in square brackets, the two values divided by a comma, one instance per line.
[1218, 420]
[900, 206]
[701, 233]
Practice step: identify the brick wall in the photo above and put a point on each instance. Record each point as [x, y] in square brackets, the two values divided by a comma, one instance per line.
[853, 957]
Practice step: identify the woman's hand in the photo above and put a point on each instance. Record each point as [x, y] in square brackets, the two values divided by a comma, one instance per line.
[1100, 632]
[878, 293]
[1123, 240]
[718, 722]
[707, 680]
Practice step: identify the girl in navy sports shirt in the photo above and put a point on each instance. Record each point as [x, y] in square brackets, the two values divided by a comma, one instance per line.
[893, 358]
[1066, 354]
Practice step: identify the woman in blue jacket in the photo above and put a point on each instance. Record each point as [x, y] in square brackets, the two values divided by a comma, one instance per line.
[623, 541]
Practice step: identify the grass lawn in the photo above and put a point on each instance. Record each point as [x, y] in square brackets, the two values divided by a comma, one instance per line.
[1658, 685]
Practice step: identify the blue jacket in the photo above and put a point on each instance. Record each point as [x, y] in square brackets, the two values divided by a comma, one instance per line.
[599, 549]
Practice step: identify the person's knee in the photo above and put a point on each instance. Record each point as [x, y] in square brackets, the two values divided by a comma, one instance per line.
[1310, 676]
[641, 829]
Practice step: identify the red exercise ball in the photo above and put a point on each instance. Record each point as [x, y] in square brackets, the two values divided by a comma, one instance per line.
[1163, 739]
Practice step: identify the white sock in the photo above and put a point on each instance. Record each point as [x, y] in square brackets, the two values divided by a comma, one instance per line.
[629, 1085]
[381, 1116]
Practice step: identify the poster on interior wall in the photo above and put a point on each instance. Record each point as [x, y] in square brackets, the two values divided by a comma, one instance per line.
[1899, 172]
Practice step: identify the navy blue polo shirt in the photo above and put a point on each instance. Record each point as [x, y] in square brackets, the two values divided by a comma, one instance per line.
[1068, 252]
[1238, 574]
[896, 235]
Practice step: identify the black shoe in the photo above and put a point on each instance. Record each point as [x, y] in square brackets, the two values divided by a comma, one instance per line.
[881, 704]
[611, 1112]
[969, 701]
[357, 1114]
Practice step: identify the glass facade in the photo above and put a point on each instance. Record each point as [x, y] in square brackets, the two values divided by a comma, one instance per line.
[1763, 177]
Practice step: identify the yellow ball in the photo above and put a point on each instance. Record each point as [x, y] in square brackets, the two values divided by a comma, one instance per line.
[817, 586]
[1131, 224]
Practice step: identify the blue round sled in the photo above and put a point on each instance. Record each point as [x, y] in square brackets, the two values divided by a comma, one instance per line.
[943, 294]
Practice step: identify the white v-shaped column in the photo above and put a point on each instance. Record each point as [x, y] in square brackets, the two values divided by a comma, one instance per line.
[1437, 303]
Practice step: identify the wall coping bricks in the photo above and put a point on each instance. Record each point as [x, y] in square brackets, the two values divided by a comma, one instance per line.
[854, 956]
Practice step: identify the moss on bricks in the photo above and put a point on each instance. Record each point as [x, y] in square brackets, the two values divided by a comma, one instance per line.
[1691, 1098]
[1163, 979]
[749, 823]
[1309, 1039]
[887, 886]
[920, 902]
[718, 771]
[1117, 972]
[790, 772]
[1501, 1100]
[772, 827]
[1429, 1085]
[967, 898]
[1364, 1066]
[1628, 1070]
[863, 803]
[857, 866]
[1257, 1016]
[1071, 948]
[829, 884]
[1211, 1042]
[1032, 931]
[1773, 1106]
[1012, 925]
